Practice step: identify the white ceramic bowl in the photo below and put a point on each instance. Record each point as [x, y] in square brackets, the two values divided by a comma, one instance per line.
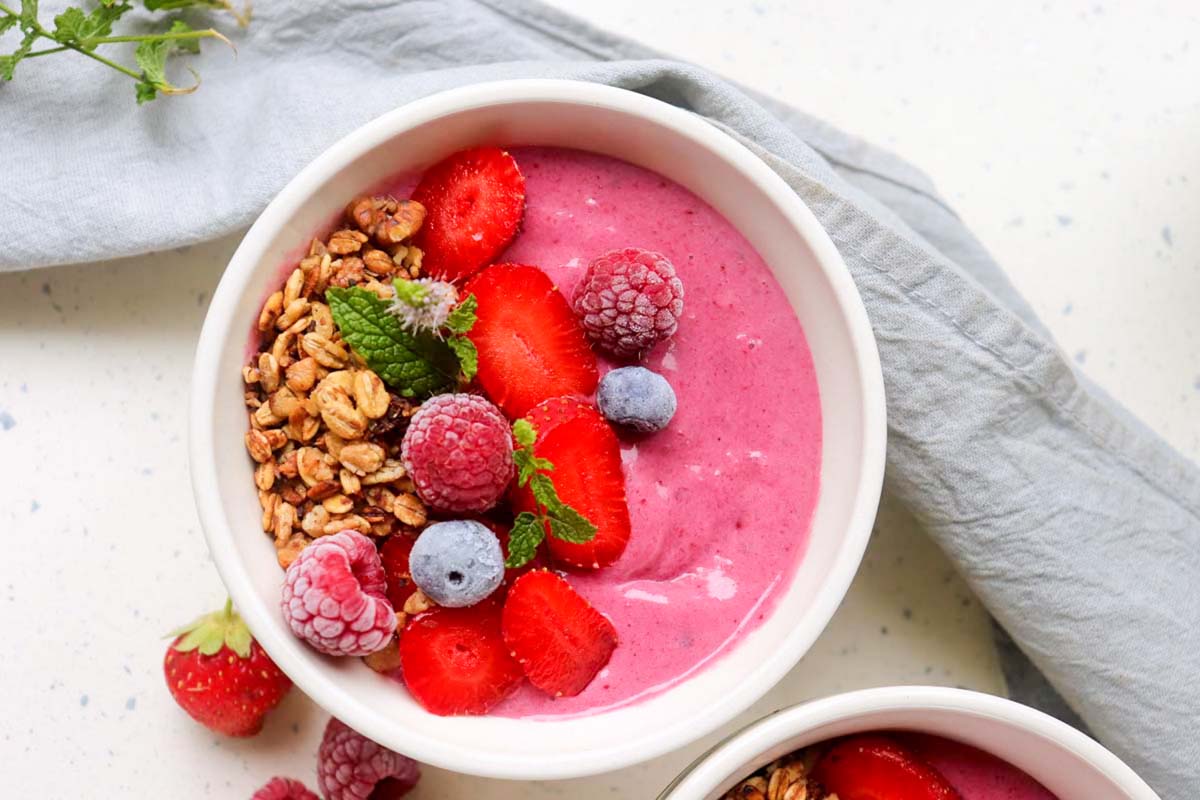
[1065, 761]
[684, 148]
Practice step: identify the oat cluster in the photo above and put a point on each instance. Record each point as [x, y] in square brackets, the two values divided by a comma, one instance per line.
[788, 778]
[325, 431]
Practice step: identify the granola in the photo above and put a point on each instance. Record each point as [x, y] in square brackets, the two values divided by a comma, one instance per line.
[787, 778]
[324, 431]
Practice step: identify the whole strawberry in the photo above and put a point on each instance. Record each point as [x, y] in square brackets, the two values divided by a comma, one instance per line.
[221, 677]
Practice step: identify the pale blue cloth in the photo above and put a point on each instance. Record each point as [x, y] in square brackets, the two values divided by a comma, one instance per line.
[1077, 527]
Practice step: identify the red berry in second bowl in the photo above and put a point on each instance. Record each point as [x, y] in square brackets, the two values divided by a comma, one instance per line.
[876, 767]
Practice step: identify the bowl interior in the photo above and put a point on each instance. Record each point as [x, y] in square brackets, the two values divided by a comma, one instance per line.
[1068, 763]
[684, 149]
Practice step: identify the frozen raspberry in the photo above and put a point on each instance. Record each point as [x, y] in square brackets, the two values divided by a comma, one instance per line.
[629, 300]
[458, 451]
[334, 596]
[284, 789]
[352, 767]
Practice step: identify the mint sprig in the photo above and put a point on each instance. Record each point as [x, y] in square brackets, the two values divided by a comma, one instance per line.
[464, 315]
[467, 355]
[459, 323]
[529, 528]
[417, 365]
[83, 32]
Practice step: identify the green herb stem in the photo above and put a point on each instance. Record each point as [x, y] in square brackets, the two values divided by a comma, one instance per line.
[47, 52]
[137, 76]
[207, 33]
[42, 32]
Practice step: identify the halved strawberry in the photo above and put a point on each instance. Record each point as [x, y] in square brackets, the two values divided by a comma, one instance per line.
[875, 767]
[394, 555]
[455, 661]
[560, 640]
[530, 344]
[474, 201]
[587, 474]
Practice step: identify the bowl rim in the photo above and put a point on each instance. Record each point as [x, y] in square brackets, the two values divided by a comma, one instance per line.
[744, 746]
[220, 323]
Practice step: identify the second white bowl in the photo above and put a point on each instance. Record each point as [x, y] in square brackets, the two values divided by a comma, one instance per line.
[1065, 761]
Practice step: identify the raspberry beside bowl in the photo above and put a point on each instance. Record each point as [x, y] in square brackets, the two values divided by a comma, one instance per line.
[683, 148]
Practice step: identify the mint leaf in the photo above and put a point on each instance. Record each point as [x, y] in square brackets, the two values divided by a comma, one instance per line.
[543, 491]
[73, 25]
[525, 467]
[145, 92]
[468, 356]
[565, 522]
[151, 56]
[569, 525]
[7, 22]
[527, 534]
[417, 365]
[463, 317]
[524, 433]
[528, 465]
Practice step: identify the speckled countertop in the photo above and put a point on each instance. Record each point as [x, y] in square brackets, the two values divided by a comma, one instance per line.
[1063, 133]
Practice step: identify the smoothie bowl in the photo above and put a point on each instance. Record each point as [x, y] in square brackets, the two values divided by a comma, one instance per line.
[911, 742]
[559, 328]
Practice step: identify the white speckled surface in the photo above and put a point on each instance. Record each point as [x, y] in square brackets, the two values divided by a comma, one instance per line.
[1063, 133]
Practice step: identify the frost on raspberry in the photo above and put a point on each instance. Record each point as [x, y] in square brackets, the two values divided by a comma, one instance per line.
[458, 452]
[334, 596]
[628, 301]
[352, 767]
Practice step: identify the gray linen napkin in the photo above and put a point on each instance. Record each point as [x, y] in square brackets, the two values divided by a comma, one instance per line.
[1077, 527]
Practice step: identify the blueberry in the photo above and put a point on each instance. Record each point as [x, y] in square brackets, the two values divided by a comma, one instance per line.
[457, 563]
[636, 398]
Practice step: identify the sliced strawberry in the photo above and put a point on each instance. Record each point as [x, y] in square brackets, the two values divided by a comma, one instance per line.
[587, 474]
[474, 201]
[530, 344]
[455, 661]
[874, 767]
[559, 638]
[394, 555]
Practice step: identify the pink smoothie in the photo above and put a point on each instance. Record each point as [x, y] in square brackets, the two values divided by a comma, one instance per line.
[721, 501]
[976, 774]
